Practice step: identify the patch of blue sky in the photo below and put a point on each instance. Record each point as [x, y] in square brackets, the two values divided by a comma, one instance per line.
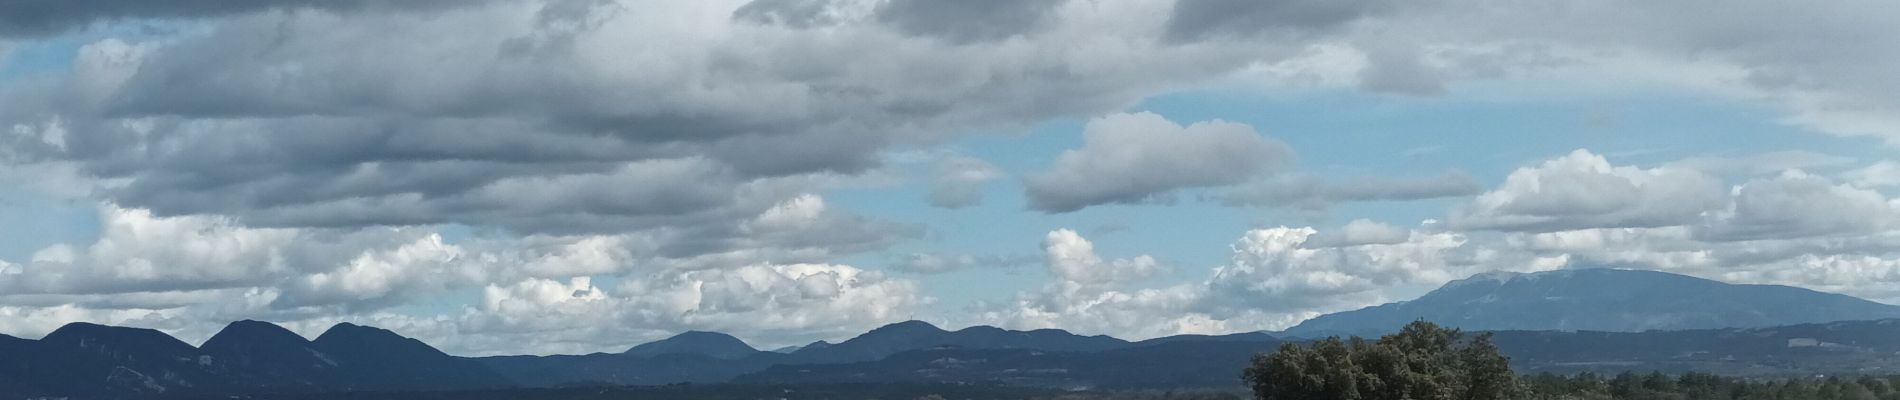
[41, 57]
[1349, 132]
[1339, 135]
[30, 221]
[55, 55]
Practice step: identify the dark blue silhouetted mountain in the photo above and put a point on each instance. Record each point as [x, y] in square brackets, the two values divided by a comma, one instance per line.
[687, 359]
[249, 336]
[710, 344]
[21, 358]
[1847, 347]
[89, 360]
[263, 355]
[1600, 300]
[914, 335]
[378, 358]
[120, 343]
[690, 357]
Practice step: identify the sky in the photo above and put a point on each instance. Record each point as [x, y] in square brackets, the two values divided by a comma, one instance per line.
[575, 176]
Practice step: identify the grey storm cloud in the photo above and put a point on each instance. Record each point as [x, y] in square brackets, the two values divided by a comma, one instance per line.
[792, 13]
[960, 183]
[299, 120]
[959, 22]
[966, 21]
[431, 117]
[1194, 20]
[687, 138]
[46, 17]
[1397, 67]
[1132, 158]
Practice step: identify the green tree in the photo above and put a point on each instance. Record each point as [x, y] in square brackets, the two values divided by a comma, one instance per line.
[1323, 371]
[1486, 371]
[1421, 362]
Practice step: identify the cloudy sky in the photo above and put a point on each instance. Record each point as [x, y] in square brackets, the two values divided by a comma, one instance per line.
[569, 176]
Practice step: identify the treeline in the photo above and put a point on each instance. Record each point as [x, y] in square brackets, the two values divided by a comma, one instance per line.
[1702, 386]
[1424, 361]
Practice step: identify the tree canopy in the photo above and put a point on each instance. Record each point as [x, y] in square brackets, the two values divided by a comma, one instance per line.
[1423, 361]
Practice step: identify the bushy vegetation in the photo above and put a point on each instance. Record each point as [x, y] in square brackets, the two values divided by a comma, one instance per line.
[1702, 386]
[1426, 362]
[1421, 362]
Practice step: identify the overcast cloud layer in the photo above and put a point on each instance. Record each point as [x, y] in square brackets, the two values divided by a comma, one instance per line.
[540, 176]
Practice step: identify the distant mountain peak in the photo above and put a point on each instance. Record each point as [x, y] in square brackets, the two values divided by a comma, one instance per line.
[348, 330]
[82, 334]
[383, 358]
[1492, 277]
[253, 333]
[1600, 299]
[712, 344]
[917, 335]
[909, 326]
[981, 328]
[795, 348]
[704, 334]
[347, 327]
[346, 337]
[1513, 277]
[76, 329]
[252, 324]
[1057, 331]
[818, 345]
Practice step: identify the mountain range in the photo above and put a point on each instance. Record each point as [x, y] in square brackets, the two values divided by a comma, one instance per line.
[706, 357]
[1613, 300]
[89, 360]
[1597, 320]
